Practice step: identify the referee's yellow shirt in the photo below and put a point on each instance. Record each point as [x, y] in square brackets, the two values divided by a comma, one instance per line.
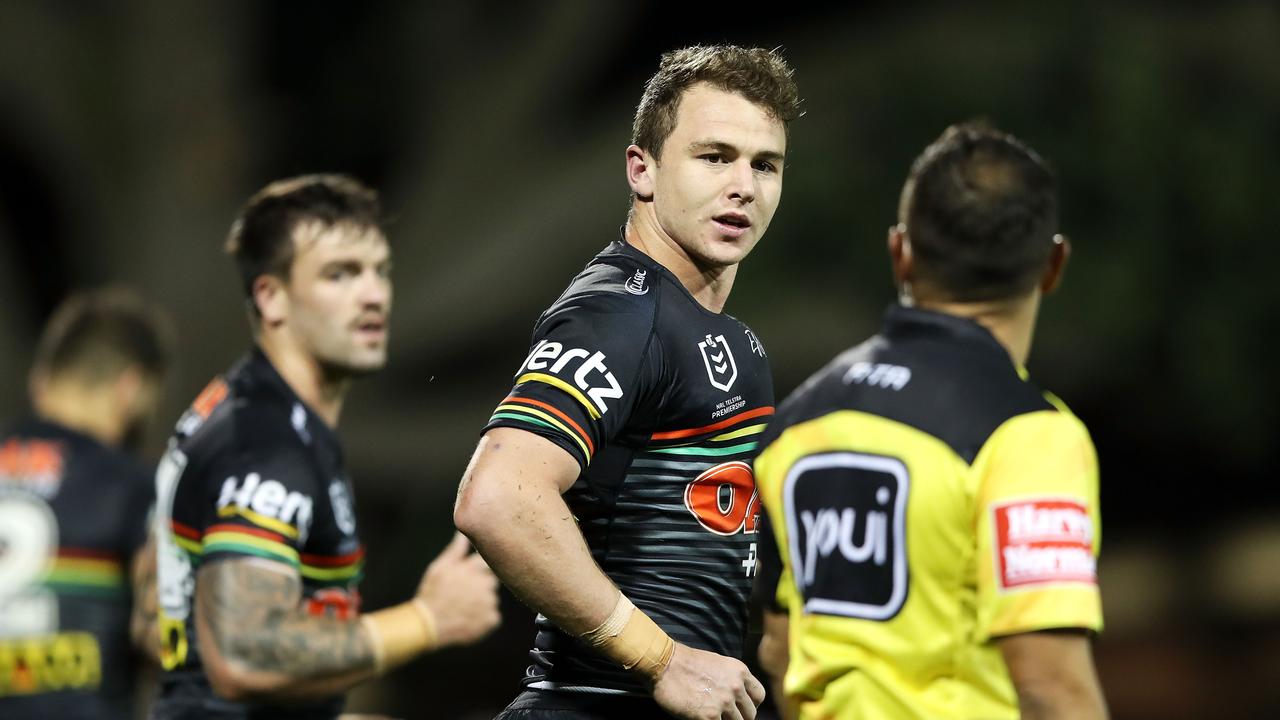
[924, 498]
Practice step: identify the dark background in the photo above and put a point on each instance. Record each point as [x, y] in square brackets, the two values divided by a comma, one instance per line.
[130, 133]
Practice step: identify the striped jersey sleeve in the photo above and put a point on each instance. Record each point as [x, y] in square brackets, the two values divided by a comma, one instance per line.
[256, 504]
[579, 383]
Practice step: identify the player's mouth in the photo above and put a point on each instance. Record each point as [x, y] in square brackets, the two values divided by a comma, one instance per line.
[371, 329]
[732, 224]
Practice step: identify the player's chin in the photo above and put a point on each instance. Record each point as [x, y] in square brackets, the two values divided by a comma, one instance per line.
[729, 251]
[364, 361]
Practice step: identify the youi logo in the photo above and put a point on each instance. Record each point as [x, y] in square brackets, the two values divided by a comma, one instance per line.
[846, 526]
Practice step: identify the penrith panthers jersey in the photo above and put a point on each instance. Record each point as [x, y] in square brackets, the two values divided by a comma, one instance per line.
[661, 402]
[251, 472]
[72, 518]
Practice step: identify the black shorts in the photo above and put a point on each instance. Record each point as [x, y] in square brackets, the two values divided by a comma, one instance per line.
[549, 705]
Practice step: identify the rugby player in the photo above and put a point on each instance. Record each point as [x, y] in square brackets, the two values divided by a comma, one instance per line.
[935, 512]
[611, 489]
[72, 507]
[259, 553]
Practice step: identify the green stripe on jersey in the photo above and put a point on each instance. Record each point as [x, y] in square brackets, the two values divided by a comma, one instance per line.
[524, 418]
[211, 548]
[708, 451]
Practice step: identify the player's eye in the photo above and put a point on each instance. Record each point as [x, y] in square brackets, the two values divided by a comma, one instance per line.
[765, 166]
[339, 272]
[713, 158]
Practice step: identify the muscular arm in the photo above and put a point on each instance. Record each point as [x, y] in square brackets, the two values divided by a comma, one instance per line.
[1054, 675]
[143, 625]
[257, 642]
[509, 506]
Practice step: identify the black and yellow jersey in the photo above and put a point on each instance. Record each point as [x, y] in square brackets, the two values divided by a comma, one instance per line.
[72, 518]
[661, 403]
[925, 498]
[251, 472]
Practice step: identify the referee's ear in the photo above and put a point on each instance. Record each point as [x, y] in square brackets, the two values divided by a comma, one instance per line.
[1058, 257]
[901, 259]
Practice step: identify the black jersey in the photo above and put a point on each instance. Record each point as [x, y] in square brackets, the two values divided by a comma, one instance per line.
[251, 471]
[72, 517]
[661, 402]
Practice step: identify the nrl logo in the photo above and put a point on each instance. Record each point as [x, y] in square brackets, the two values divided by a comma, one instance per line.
[635, 285]
[721, 368]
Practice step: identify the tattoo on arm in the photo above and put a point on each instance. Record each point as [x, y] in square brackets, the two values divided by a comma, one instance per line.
[254, 612]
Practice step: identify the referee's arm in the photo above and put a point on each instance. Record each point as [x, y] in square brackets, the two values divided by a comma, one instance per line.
[1053, 673]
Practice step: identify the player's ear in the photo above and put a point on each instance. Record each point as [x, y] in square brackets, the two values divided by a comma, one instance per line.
[640, 172]
[129, 388]
[1058, 257]
[271, 300]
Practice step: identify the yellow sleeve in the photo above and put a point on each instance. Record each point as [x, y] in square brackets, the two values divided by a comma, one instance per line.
[1038, 527]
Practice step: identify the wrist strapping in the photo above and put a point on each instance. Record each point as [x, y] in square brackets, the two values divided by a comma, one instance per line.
[400, 633]
[632, 639]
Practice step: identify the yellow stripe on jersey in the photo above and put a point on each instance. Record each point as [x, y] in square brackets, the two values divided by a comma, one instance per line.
[190, 546]
[283, 528]
[556, 382]
[734, 435]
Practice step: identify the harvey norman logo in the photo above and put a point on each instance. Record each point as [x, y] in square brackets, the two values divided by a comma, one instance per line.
[268, 499]
[589, 373]
[1044, 541]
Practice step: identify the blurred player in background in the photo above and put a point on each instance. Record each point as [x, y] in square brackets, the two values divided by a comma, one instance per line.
[936, 513]
[73, 508]
[611, 490]
[259, 554]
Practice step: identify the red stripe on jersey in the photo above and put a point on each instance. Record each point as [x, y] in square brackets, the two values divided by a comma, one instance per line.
[246, 530]
[187, 532]
[555, 411]
[673, 434]
[86, 553]
[331, 560]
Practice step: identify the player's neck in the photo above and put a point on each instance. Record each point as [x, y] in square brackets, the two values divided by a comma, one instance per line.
[307, 377]
[710, 286]
[92, 411]
[1011, 322]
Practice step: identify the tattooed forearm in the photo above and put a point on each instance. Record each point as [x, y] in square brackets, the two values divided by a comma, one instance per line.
[254, 613]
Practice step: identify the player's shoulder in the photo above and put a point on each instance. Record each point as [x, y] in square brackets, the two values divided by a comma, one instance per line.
[237, 414]
[618, 283]
[618, 276]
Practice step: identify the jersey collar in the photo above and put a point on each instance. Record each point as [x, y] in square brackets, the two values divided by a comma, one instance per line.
[901, 322]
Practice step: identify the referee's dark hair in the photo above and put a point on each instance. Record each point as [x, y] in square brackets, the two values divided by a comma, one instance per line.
[981, 211]
[95, 336]
[261, 240]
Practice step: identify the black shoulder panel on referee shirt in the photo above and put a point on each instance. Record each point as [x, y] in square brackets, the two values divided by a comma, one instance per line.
[962, 384]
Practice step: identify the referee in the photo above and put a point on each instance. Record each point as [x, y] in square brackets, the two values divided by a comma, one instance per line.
[935, 512]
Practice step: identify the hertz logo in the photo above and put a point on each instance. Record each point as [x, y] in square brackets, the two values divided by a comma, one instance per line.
[551, 362]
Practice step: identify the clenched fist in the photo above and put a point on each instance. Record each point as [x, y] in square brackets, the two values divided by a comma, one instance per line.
[462, 594]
